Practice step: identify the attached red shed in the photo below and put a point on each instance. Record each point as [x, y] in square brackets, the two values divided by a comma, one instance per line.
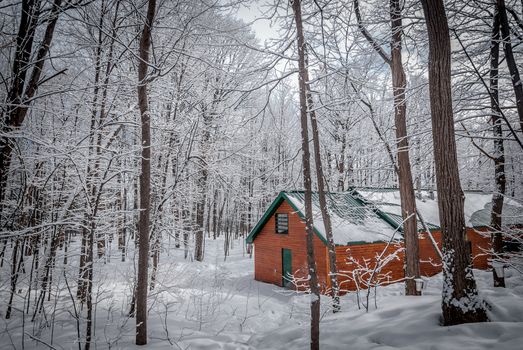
[367, 233]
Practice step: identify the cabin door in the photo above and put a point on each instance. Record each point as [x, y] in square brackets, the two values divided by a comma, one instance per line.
[286, 269]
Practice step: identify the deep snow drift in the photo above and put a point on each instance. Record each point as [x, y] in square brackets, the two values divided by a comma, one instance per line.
[217, 305]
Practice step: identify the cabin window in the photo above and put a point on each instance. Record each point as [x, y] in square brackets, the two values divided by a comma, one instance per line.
[282, 223]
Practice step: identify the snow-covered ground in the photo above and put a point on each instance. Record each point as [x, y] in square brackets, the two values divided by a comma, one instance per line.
[218, 305]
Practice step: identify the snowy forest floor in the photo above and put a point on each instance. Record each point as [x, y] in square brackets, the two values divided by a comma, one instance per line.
[218, 305]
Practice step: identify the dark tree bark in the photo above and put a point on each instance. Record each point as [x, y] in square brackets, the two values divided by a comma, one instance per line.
[22, 88]
[311, 261]
[89, 227]
[88, 284]
[203, 175]
[14, 278]
[333, 270]
[122, 241]
[517, 84]
[460, 302]
[408, 199]
[403, 168]
[145, 179]
[499, 151]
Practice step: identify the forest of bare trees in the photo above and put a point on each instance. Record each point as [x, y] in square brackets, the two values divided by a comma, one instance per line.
[132, 131]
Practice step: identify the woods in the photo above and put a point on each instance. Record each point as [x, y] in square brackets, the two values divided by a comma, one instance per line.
[143, 144]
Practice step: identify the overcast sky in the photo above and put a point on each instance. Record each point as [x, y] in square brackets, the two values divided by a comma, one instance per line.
[253, 14]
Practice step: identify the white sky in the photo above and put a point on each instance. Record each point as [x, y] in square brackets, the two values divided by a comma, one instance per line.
[253, 13]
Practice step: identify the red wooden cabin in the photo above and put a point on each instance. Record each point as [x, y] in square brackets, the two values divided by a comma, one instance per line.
[367, 233]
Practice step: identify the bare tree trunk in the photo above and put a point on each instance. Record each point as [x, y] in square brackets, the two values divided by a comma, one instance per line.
[88, 282]
[156, 258]
[407, 196]
[311, 261]
[2, 253]
[82, 270]
[509, 56]
[333, 270]
[122, 242]
[94, 188]
[499, 152]
[200, 217]
[186, 224]
[145, 179]
[203, 175]
[14, 278]
[460, 303]
[215, 215]
[23, 90]
[403, 167]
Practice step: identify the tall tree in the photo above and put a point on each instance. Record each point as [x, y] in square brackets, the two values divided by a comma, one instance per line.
[333, 270]
[320, 179]
[499, 149]
[23, 86]
[460, 302]
[509, 56]
[311, 261]
[145, 179]
[403, 167]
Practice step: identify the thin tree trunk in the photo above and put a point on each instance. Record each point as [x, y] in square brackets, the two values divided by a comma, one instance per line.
[499, 152]
[123, 242]
[88, 282]
[145, 179]
[460, 303]
[215, 215]
[333, 270]
[24, 46]
[311, 261]
[407, 196]
[89, 223]
[186, 224]
[14, 278]
[200, 217]
[18, 96]
[2, 253]
[203, 175]
[517, 84]
[156, 258]
[403, 167]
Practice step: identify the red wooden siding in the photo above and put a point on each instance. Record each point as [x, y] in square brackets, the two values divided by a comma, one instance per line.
[480, 238]
[430, 262]
[352, 260]
[355, 263]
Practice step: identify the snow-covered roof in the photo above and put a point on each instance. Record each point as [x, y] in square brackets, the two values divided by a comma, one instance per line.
[352, 220]
[478, 206]
[371, 215]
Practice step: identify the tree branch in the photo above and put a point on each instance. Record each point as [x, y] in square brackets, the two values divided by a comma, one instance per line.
[369, 37]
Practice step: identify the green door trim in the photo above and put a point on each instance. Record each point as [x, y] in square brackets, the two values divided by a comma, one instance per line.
[286, 267]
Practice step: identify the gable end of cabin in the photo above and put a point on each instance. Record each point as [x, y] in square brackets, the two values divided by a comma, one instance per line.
[280, 247]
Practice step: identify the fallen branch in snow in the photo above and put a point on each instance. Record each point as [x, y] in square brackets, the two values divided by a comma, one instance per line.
[40, 341]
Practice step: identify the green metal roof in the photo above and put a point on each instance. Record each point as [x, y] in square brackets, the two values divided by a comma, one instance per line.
[342, 204]
[398, 222]
[393, 219]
